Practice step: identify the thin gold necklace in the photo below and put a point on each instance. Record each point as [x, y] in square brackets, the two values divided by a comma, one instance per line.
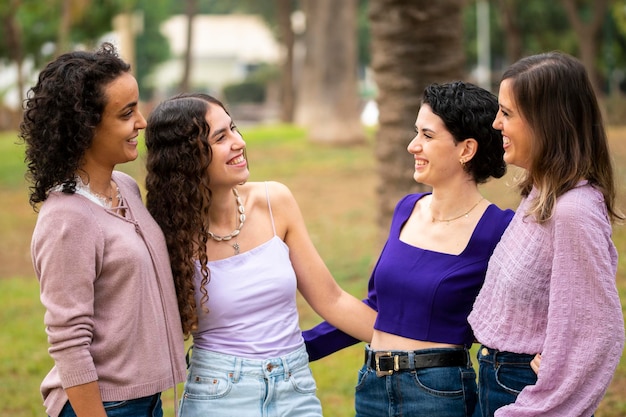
[466, 214]
[241, 211]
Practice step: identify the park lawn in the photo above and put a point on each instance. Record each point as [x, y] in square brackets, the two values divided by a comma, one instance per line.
[335, 188]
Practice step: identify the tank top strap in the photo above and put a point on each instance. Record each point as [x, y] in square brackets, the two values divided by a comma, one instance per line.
[269, 206]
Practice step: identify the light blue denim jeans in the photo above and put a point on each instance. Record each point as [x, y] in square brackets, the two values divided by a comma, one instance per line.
[141, 407]
[439, 391]
[220, 385]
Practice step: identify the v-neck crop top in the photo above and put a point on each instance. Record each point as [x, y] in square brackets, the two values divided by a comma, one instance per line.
[252, 303]
[422, 294]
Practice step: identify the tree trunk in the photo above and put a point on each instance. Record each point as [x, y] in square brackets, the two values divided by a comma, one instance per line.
[512, 32]
[63, 34]
[287, 39]
[588, 34]
[328, 100]
[11, 31]
[191, 9]
[414, 43]
[71, 12]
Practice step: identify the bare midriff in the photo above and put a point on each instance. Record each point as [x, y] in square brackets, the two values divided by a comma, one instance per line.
[388, 341]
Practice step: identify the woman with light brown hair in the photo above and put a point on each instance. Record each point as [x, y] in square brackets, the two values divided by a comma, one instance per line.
[550, 285]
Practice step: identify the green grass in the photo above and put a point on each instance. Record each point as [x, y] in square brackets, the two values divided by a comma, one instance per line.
[11, 161]
[335, 188]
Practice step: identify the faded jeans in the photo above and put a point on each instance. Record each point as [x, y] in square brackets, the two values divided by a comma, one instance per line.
[220, 385]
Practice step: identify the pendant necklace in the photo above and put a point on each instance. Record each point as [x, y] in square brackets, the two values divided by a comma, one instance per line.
[241, 213]
[105, 200]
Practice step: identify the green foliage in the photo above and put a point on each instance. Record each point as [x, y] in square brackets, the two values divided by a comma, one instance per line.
[218, 6]
[253, 89]
[39, 22]
[24, 359]
[38, 26]
[151, 47]
[98, 19]
[543, 27]
[12, 167]
[363, 34]
[244, 92]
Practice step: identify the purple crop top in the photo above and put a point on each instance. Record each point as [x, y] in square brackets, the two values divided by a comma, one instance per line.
[422, 294]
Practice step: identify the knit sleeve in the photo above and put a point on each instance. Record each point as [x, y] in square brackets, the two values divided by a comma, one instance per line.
[585, 330]
[67, 251]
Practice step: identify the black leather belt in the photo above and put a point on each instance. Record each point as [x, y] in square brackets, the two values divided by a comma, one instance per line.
[386, 363]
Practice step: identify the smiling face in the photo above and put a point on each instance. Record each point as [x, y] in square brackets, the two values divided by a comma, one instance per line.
[437, 156]
[115, 137]
[516, 133]
[228, 165]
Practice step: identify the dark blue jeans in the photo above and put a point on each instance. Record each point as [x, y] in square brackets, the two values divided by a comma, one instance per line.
[441, 391]
[141, 407]
[501, 377]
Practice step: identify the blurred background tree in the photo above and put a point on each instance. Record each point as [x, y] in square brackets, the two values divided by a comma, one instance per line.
[413, 43]
[328, 101]
[335, 56]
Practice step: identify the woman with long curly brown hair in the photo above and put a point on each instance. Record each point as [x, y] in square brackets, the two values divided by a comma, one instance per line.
[239, 251]
[106, 284]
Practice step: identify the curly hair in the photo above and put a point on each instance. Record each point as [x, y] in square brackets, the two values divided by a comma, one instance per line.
[178, 194]
[61, 113]
[468, 111]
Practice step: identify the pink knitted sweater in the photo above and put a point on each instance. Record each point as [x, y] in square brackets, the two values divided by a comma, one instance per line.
[550, 289]
[107, 287]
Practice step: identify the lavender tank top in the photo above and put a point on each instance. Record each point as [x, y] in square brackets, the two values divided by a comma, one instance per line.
[252, 303]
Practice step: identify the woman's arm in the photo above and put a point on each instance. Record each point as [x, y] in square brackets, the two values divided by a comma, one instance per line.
[315, 281]
[65, 249]
[86, 400]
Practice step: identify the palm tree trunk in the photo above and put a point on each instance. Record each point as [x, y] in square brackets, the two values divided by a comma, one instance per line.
[328, 100]
[191, 10]
[414, 43]
[287, 38]
[588, 34]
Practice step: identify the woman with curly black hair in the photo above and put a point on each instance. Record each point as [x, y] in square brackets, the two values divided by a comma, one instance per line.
[111, 314]
[432, 266]
[239, 252]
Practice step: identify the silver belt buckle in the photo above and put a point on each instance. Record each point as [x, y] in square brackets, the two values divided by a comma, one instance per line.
[396, 364]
